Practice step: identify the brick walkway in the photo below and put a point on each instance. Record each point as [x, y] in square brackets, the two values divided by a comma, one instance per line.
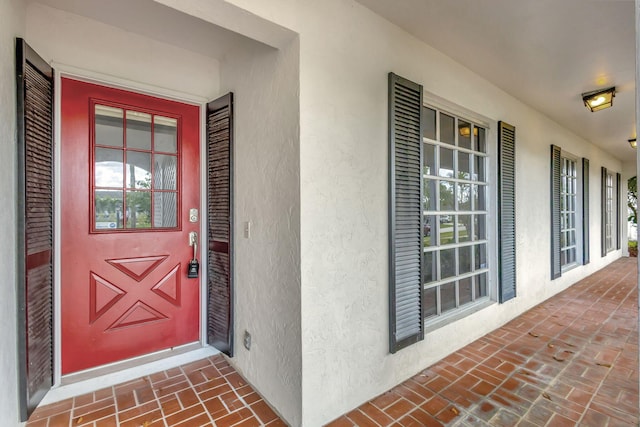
[571, 361]
[203, 393]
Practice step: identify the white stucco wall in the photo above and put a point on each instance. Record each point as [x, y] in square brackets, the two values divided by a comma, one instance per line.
[89, 45]
[312, 280]
[267, 279]
[12, 24]
[344, 163]
[345, 54]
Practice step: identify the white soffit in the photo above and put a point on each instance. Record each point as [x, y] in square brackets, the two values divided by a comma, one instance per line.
[543, 52]
[156, 21]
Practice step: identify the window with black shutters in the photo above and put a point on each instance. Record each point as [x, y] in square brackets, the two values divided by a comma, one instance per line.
[569, 203]
[442, 226]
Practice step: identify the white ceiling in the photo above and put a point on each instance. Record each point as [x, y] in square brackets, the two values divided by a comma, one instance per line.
[158, 22]
[543, 52]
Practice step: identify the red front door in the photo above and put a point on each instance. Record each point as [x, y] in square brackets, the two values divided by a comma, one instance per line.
[129, 177]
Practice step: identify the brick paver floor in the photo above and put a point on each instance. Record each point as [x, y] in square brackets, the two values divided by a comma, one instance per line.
[208, 392]
[570, 361]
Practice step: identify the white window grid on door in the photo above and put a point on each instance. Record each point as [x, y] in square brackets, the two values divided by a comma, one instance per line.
[465, 215]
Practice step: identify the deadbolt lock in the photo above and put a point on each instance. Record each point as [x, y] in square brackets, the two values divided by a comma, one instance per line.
[193, 215]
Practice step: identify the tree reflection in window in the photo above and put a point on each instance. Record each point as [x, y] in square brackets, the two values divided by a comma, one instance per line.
[135, 167]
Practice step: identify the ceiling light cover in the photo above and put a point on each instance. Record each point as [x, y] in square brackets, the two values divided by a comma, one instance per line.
[466, 131]
[599, 99]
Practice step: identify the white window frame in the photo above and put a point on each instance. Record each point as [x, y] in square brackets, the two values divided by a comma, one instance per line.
[610, 209]
[440, 104]
[576, 211]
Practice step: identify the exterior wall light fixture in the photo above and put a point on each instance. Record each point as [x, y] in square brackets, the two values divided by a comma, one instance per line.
[633, 143]
[599, 99]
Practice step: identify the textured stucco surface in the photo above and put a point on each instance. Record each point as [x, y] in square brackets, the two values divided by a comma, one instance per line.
[267, 279]
[12, 24]
[346, 52]
[311, 177]
[344, 158]
[265, 83]
[80, 42]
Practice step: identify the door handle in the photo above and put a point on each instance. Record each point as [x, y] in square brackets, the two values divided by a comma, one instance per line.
[194, 266]
[193, 241]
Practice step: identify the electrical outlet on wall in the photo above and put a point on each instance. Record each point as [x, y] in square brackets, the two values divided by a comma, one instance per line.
[247, 229]
[247, 340]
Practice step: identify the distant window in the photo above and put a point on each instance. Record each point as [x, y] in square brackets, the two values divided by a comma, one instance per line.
[569, 211]
[569, 220]
[609, 227]
[610, 211]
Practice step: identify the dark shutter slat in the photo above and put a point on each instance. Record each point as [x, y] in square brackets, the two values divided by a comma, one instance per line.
[405, 213]
[507, 214]
[585, 211]
[603, 200]
[403, 257]
[220, 224]
[617, 211]
[34, 82]
[556, 161]
[409, 263]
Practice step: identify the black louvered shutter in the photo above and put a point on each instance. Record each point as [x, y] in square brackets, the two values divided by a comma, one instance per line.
[507, 214]
[35, 225]
[556, 165]
[405, 213]
[220, 223]
[603, 199]
[617, 210]
[585, 211]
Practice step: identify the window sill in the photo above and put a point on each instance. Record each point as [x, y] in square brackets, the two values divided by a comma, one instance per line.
[569, 267]
[431, 325]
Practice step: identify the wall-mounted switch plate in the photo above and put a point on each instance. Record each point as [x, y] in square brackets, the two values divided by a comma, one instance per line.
[247, 229]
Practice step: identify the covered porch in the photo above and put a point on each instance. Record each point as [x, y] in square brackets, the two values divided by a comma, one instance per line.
[572, 360]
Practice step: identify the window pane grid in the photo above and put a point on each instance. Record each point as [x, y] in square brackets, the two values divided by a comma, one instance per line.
[609, 214]
[455, 180]
[135, 184]
[436, 143]
[453, 246]
[448, 279]
[452, 212]
[455, 214]
[568, 208]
